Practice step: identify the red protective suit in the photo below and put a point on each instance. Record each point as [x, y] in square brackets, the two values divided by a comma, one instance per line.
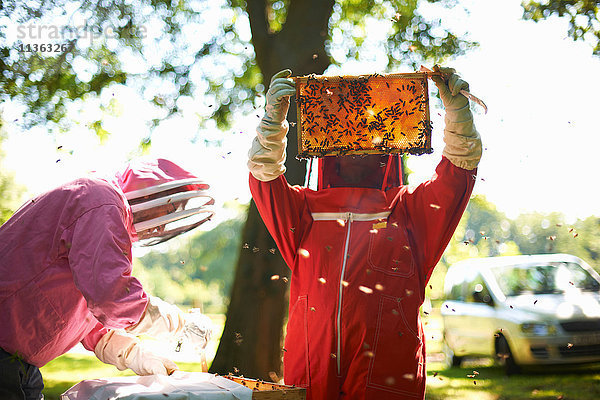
[65, 264]
[360, 260]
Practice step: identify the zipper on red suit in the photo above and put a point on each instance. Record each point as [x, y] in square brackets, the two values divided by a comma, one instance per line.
[348, 218]
[341, 287]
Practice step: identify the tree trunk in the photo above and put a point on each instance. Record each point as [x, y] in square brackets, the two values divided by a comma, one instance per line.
[251, 343]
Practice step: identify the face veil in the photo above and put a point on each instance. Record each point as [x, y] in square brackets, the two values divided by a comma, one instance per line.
[165, 199]
[165, 211]
[378, 171]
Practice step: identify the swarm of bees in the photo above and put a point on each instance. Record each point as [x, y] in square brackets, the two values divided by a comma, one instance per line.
[366, 114]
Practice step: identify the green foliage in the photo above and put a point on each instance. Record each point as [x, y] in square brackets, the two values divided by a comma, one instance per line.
[413, 39]
[277, 14]
[197, 270]
[536, 233]
[173, 50]
[582, 14]
[491, 233]
[10, 192]
[588, 245]
[161, 47]
[484, 231]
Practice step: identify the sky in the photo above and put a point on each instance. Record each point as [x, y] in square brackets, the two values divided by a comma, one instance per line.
[540, 137]
[542, 129]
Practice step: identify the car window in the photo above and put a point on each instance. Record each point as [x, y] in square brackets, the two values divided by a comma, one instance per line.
[554, 277]
[456, 292]
[454, 283]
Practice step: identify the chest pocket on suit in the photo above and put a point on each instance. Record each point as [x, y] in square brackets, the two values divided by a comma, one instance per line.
[390, 252]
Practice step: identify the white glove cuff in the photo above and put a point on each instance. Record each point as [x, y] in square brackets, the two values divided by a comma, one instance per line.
[114, 348]
[266, 158]
[160, 320]
[463, 143]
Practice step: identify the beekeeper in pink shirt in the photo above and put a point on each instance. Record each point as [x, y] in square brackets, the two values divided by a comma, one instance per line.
[65, 272]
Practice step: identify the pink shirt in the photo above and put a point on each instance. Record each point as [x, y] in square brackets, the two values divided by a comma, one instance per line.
[65, 271]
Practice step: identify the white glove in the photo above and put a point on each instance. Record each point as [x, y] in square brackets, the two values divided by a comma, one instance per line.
[267, 154]
[197, 330]
[463, 143]
[125, 351]
[160, 320]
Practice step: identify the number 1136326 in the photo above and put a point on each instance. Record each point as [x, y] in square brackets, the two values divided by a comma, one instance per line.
[42, 47]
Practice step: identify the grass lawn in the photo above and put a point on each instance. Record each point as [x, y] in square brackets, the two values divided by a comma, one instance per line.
[574, 383]
[488, 382]
[580, 383]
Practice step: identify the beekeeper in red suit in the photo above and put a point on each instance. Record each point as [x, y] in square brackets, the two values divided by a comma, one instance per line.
[65, 272]
[361, 249]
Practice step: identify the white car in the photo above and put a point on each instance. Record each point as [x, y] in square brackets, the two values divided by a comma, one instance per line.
[523, 310]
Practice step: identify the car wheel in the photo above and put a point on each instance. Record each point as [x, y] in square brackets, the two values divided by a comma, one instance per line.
[450, 359]
[505, 358]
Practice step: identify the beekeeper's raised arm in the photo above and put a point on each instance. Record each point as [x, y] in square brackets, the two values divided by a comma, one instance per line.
[267, 154]
[266, 163]
[463, 143]
[452, 184]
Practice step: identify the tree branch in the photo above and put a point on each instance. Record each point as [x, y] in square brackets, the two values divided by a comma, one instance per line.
[259, 26]
[305, 31]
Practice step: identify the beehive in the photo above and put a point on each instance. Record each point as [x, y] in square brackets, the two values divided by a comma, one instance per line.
[262, 390]
[366, 114]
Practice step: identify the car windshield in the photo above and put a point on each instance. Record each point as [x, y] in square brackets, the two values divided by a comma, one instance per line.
[554, 277]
